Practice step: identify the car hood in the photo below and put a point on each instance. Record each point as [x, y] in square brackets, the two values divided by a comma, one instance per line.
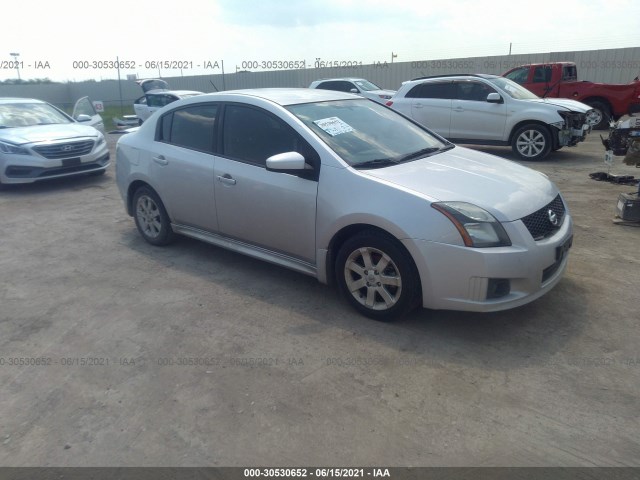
[45, 133]
[567, 103]
[505, 189]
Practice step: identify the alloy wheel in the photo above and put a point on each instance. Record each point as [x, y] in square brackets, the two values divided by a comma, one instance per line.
[531, 143]
[149, 217]
[372, 278]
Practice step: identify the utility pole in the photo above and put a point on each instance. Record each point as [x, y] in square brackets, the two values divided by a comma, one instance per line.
[510, 43]
[120, 87]
[393, 55]
[15, 58]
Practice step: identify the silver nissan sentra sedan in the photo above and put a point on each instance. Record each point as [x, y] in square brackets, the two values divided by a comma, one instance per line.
[349, 191]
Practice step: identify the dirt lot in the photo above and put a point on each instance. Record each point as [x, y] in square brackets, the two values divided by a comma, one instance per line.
[192, 355]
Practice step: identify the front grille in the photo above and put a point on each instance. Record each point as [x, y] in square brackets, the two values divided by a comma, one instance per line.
[576, 120]
[65, 150]
[539, 222]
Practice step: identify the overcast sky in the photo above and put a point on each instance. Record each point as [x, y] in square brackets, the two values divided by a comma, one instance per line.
[236, 31]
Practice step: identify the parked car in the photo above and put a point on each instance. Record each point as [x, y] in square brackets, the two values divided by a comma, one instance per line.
[85, 112]
[492, 110]
[560, 79]
[359, 86]
[157, 95]
[39, 141]
[346, 190]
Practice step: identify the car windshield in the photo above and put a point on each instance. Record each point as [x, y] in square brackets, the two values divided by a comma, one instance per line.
[29, 114]
[366, 85]
[366, 134]
[512, 89]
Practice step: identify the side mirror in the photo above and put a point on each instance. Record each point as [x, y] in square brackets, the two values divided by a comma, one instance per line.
[83, 118]
[354, 90]
[494, 98]
[286, 162]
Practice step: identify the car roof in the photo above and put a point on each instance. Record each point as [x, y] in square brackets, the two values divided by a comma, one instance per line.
[171, 92]
[19, 100]
[281, 96]
[350, 79]
[456, 75]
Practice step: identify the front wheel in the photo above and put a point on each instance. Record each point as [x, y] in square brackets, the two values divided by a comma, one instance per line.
[377, 276]
[531, 142]
[151, 217]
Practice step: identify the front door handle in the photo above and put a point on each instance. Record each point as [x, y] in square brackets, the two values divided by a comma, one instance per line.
[417, 105]
[160, 160]
[226, 179]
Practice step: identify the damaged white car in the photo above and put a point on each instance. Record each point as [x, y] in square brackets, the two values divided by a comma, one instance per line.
[491, 110]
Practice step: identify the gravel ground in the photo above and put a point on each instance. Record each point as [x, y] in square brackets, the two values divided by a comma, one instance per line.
[190, 355]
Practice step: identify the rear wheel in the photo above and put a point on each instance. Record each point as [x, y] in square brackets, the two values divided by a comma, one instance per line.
[531, 142]
[151, 217]
[377, 276]
[599, 116]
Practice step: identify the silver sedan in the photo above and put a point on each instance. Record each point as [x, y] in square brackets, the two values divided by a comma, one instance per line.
[348, 191]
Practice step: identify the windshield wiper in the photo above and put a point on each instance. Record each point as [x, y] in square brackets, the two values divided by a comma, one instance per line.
[377, 163]
[420, 153]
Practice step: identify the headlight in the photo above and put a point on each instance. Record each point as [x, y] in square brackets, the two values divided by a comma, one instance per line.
[477, 227]
[15, 149]
[100, 139]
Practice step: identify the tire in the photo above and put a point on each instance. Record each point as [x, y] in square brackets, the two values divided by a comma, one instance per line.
[151, 217]
[599, 119]
[531, 142]
[139, 122]
[385, 294]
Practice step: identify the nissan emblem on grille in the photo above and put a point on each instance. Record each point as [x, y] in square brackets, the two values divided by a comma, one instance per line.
[546, 220]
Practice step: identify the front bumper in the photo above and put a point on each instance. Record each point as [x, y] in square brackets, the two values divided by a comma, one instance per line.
[569, 137]
[20, 169]
[460, 278]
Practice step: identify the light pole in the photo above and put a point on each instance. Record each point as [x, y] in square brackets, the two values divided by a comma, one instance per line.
[15, 59]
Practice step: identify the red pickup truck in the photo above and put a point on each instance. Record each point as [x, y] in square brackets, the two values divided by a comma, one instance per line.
[560, 80]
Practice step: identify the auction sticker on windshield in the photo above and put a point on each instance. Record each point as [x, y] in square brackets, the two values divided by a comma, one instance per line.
[333, 126]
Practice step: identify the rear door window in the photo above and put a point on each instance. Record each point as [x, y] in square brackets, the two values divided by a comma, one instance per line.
[432, 90]
[192, 127]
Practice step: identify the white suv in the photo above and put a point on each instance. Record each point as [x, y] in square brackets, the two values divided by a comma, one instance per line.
[157, 95]
[359, 86]
[492, 110]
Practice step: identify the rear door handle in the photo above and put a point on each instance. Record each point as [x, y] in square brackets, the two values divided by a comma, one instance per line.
[226, 179]
[417, 105]
[458, 109]
[160, 160]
